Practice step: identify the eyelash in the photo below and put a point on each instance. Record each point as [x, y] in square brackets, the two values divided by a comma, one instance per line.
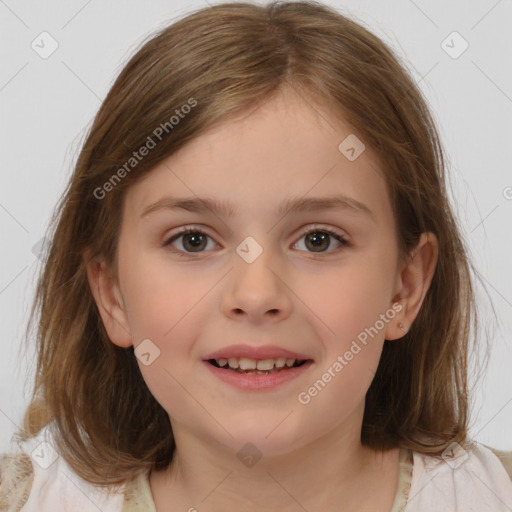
[167, 243]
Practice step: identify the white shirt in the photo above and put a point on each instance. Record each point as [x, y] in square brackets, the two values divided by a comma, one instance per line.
[462, 481]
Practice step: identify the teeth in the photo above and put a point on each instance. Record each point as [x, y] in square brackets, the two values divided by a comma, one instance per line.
[265, 364]
[244, 363]
[280, 362]
[248, 364]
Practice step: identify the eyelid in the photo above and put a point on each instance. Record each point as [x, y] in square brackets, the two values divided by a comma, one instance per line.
[184, 230]
[336, 233]
[323, 227]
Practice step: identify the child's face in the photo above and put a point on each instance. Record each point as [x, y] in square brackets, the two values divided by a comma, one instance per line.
[302, 293]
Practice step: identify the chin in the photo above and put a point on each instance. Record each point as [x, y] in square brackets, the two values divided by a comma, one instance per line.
[264, 437]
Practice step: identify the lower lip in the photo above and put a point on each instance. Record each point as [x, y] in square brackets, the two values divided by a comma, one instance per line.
[256, 382]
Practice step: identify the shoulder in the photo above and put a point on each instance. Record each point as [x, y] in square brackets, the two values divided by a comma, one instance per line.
[505, 458]
[36, 478]
[472, 477]
[138, 496]
[16, 477]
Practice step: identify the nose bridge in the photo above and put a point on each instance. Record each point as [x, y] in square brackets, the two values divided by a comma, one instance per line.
[255, 287]
[249, 249]
[256, 262]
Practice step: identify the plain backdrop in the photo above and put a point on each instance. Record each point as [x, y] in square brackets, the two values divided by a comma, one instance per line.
[48, 103]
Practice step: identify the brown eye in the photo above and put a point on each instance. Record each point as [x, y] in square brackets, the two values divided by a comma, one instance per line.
[193, 241]
[319, 240]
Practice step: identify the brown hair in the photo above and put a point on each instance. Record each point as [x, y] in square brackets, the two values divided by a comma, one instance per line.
[228, 59]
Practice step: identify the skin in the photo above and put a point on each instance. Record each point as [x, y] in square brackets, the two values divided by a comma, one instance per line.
[313, 301]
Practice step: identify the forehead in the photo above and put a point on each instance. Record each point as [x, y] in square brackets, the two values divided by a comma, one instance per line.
[287, 148]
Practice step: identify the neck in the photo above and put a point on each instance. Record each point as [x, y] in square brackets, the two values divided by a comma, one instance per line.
[335, 472]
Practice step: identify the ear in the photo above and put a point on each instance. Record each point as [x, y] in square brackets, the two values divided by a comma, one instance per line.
[107, 296]
[413, 283]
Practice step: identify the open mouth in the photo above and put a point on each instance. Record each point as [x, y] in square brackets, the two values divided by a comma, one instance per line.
[256, 366]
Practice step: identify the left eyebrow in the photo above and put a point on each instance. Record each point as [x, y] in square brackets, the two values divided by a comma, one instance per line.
[293, 205]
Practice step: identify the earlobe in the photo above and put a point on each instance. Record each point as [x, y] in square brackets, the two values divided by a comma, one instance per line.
[414, 281]
[107, 296]
[397, 328]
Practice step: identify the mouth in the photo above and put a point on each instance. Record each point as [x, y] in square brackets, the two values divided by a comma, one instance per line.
[257, 368]
[249, 366]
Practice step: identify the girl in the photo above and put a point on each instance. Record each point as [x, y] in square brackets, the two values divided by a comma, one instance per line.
[256, 295]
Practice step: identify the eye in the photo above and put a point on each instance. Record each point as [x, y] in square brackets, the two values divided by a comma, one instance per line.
[318, 239]
[194, 240]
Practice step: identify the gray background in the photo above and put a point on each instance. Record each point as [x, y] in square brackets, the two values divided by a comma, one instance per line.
[46, 105]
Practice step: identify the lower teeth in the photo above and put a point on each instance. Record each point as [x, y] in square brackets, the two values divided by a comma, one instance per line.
[255, 372]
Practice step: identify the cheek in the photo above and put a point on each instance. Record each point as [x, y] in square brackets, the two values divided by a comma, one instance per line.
[162, 297]
[348, 298]
[352, 335]
[169, 306]
[347, 307]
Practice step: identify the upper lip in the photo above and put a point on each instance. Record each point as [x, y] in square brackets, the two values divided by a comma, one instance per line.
[253, 352]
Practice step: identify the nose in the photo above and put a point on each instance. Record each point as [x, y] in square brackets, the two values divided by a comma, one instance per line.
[257, 290]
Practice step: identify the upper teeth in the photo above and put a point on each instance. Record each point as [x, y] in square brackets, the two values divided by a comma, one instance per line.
[255, 364]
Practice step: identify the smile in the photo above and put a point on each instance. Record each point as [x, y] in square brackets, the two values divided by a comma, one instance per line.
[257, 375]
[256, 367]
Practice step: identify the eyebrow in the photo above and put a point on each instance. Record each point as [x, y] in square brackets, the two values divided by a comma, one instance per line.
[293, 205]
